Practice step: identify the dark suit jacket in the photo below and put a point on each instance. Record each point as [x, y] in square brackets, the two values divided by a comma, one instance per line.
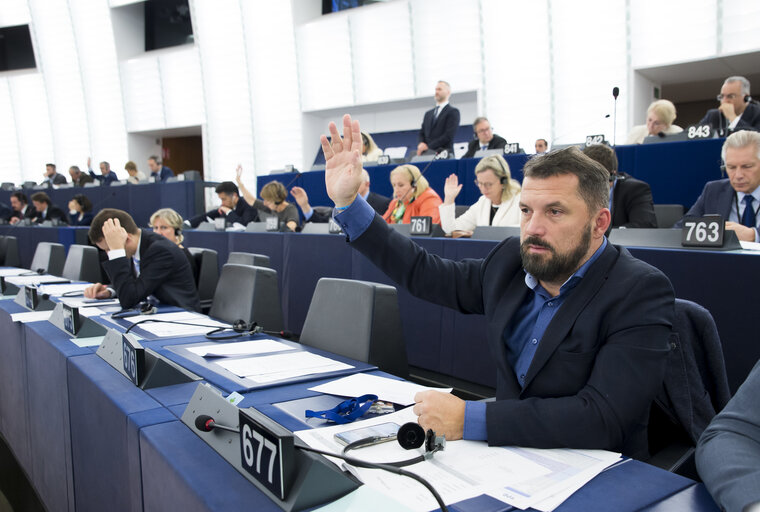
[104, 180]
[86, 219]
[30, 213]
[378, 202]
[495, 143]
[750, 120]
[439, 135]
[632, 204]
[243, 213]
[164, 174]
[599, 364]
[57, 179]
[83, 178]
[52, 213]
[164, 273]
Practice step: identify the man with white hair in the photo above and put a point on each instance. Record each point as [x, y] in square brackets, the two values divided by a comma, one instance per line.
[736, 198]
[736, 112]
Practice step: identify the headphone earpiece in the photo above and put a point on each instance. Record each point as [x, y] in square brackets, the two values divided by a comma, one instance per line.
[241, 326]
[411, 435]
[747, 98]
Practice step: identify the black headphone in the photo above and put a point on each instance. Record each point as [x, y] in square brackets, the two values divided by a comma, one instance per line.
[410, 436]
[240, 328]
[502, 179]
[411, 175]
[747, 98]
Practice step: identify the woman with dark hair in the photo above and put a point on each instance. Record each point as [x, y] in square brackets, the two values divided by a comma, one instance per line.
[80, 210]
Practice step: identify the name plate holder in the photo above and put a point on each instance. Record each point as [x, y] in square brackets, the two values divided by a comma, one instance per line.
[293, 479]
[7, 288]
[70, 320]
[28, 297]
[143, 366]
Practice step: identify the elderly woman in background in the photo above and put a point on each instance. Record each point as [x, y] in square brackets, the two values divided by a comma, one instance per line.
[498, 205]
[135, 175]
[80, 210]
[370, 151]
[412, 197]
[168, 223]
[660, 117]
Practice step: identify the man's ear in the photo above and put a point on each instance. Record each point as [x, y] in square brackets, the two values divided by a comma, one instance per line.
[602, 222]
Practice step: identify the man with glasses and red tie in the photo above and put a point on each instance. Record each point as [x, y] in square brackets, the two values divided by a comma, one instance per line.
[736, 198]
[737, 110]
[484, 138]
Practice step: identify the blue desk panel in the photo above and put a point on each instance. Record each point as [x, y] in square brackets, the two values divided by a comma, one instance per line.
[694, 498]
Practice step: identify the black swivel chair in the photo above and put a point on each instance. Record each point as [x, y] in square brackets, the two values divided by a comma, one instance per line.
[207, 262]
[49, 257]
[9, 251]
[694, 390]
[667, 214]
[357, 319]
[249, 258]
[82, 264]
[248, 293]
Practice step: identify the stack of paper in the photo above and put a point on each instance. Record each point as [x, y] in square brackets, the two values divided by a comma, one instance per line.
[56, 290]
[34, 280]
[390, 390]
[281, 366]
[189, 324]
[521, 477]
[5, 272]
[242, 348]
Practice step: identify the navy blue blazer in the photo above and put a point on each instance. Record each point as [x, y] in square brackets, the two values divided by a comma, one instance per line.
[439, 135]
[632, 204]
[164, 273]
[717, 197]
[104, 180]
[164, 174]
[750, 120]
[599, 364]
[85, 220]
[495, 143]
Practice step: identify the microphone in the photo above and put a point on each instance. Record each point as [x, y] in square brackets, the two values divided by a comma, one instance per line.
[440, 155]
[206, 423]
[298, 175]
[615, 93]
[282, 334]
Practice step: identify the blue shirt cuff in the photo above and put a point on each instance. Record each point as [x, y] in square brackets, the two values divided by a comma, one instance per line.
[355, 219]
[475, 421]
[307, 217]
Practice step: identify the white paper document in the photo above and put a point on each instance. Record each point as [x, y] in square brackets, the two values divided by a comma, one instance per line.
[281, 366]
[521, 477]
[5, 272]
[81, 302]
[159, 326]
[391, 390]
[90, 312]
[93, 341]
[31, 316]
[750, 246]
[34, 280]
[56, 290]
[242, 348]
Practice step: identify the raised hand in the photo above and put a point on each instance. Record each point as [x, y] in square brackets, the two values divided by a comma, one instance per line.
[239, 174]
[89, 163]
[301, 197]
[451, 189]
[343, 163]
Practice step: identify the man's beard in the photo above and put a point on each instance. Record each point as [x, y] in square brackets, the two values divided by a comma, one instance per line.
[554, 266]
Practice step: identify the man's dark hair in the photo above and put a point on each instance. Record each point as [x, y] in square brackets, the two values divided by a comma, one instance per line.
[227, 187]
[83, 201]
[603, 154]
[155, 159]
[125, 219]
[41, 197]
[593, 178]
[50, 165]
[20, 196]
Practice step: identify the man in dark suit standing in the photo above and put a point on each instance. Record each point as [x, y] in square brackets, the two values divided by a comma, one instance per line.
[578, 328]
[439, 124]
[630, 199]
[140, 264]
[46, 210]
[736, 112]
[484, 138]
[52, 177]
[736, 199]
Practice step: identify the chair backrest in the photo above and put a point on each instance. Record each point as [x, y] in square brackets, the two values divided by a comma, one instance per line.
[695, 386]
[7, 185]
[459, 209]
[82, 264]
[207, 262]
[667, 214]
[357, 319]
[249, 258]
[248, 293]
[49, 257]
[9, 251]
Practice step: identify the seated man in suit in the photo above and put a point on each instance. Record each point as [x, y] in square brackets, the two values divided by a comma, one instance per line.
[737, 198]
[439, 124]
[728, 453]
[232, 208]
[735, 111]
[106, 177]
[140, 264]
[376, 201]
[46, 210]
[578, 328]
[630, 199]
[52, 177]
[21, 208]
[159, 172]
[484, 138]
[78, 178]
